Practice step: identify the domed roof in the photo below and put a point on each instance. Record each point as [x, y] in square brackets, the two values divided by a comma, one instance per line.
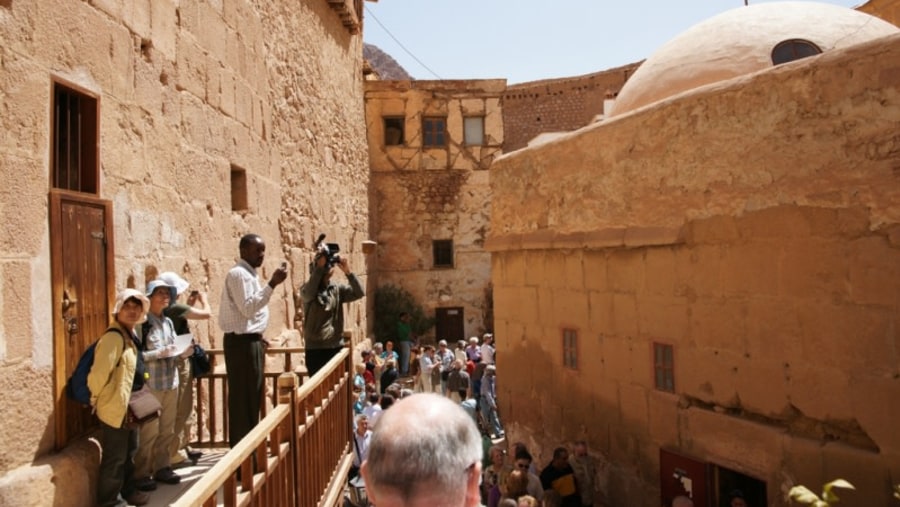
[740, 41]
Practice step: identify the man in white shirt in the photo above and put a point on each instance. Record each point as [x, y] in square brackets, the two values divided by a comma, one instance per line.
[487, 349]
[361, 438]
[244, 317]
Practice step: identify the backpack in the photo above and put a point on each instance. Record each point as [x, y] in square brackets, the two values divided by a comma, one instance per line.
[77, 388]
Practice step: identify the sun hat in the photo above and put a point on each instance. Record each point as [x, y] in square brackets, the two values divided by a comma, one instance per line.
[155, 284]
[125, 295]
[173, 280]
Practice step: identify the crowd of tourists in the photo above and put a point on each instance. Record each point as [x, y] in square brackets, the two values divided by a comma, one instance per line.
[466, 374]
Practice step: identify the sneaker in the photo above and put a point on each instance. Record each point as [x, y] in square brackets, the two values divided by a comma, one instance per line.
[145, 484]
[138, 498]
[167, 475]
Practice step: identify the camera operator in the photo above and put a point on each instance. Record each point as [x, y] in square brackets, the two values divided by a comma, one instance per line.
[323, 323]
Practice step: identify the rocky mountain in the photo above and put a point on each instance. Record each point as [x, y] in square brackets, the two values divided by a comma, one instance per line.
[386, 67]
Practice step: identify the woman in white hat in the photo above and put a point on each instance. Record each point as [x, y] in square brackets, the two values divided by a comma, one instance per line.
[110, 381]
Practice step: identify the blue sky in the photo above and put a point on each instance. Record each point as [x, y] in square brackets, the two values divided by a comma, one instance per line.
[528, 40]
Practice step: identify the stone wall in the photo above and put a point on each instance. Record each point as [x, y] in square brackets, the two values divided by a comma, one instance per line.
[425, 194]
[753, 226]
[888, 10]
[188, 91]
[557, 105]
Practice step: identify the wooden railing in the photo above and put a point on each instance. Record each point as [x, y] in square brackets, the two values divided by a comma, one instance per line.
[211, 395]
[298, 455]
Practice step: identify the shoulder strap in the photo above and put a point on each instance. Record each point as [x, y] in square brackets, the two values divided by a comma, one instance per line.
[356, 444]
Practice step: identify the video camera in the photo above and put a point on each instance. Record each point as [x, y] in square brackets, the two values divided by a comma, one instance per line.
[331, 251]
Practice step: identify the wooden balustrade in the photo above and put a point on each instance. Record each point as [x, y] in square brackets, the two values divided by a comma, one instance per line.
[211, 395]
[300, 449]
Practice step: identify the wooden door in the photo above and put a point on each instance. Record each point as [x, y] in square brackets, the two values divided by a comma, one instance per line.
[83, 293]
[681, 475]
[449, 324]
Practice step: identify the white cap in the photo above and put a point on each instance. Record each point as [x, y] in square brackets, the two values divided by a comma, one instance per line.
[125, 295]
[172, 279]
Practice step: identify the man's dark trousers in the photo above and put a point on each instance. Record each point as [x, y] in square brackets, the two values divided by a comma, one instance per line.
[245, 362]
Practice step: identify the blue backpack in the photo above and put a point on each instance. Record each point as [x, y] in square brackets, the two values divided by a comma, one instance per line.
[77, 388]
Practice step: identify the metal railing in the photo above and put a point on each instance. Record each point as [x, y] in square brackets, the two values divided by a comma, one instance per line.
[298, 454]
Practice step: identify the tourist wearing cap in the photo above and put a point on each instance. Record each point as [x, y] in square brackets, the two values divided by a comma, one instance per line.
[110, 381]
[196, 308]
[445, 359]
[160, 353]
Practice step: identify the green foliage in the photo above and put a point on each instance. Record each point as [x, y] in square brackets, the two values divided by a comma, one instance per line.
[390, 301]
[802, 495]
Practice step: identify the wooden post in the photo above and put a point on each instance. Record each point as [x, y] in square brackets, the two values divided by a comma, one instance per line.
[287, 394]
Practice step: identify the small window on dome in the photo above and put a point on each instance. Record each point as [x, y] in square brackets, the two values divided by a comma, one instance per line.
[793, 49]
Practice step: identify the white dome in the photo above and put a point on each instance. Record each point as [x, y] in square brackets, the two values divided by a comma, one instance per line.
[740, 41]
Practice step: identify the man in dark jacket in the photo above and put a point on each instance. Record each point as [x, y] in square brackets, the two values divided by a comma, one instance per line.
[323, 311]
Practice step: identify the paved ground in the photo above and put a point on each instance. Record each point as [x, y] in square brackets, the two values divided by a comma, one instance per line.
[166, 494]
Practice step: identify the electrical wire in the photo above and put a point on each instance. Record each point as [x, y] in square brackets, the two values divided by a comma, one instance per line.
[369, 12]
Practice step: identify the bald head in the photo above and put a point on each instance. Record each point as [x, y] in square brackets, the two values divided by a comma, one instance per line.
[426, 451]
[682, 501]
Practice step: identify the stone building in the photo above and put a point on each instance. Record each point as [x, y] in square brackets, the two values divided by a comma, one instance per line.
[148, 136]
[717, 305]
[430, 146]
[558, 105]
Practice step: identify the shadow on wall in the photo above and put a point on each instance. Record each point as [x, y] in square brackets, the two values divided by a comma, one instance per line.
[544, 422]
[64, 479]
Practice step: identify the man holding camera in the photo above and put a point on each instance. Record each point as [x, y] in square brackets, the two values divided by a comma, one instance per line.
[323, 322]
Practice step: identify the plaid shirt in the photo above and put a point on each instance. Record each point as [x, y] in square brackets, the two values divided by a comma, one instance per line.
[163, 370]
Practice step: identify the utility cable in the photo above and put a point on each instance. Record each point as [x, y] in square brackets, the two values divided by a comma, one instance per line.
[369, 12]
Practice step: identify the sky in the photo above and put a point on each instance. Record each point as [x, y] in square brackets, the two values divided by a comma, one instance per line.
[529, 40]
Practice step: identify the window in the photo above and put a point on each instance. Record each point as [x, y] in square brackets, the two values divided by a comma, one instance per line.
[238, 189]
[434, 131]
[473, 130]
[443, 253]
[793, 49]
[75, 156]
[664, 367]
[570, 349]
[393, 131]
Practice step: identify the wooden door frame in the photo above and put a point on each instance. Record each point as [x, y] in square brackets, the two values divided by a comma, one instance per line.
[56, 199]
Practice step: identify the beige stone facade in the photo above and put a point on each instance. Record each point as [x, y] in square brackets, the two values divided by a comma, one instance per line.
[558, 105]
[215, 119]
[751, 225]
[888, 10]
[425, 190]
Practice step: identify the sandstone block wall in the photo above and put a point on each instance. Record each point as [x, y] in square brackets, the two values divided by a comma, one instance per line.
[424, 194]
[557, 105]
[752, 225]
[188, 91]
[888, 10]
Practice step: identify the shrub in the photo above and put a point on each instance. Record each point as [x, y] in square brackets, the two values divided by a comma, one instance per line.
[390, 301]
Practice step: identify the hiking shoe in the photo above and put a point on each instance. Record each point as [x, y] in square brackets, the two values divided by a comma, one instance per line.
[145, 484]
[167, 475]
[138, 498]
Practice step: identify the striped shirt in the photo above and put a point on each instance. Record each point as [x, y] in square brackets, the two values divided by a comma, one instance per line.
[163, 370]
[244, 307]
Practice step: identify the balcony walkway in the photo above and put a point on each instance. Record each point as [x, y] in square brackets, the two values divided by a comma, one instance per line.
[166, 495]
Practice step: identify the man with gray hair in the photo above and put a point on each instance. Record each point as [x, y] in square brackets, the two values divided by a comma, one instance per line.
[426, 452]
